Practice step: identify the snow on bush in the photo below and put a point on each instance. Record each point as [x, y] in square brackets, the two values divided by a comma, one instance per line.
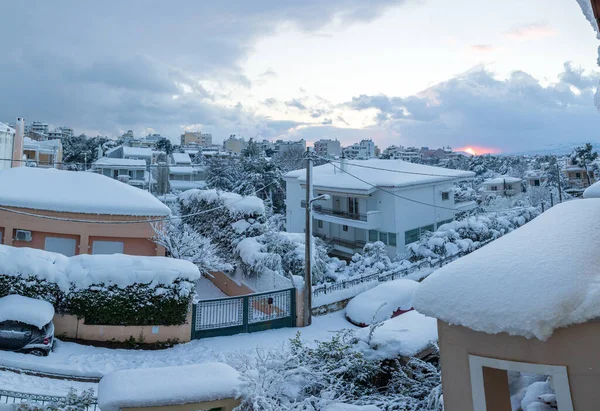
[330, 373]
[103, 289]
[284, 254]
[372, 260]
[236, 218]
[72, 402]
[464, 236]
[183, 242]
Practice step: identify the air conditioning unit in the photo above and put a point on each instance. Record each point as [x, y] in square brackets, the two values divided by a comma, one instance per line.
[23, 235]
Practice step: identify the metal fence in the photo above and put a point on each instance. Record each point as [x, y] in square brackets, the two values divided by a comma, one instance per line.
[248, 313]
[388, 275]
[13, 397]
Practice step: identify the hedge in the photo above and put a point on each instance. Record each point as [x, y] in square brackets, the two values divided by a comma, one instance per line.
[137, 304]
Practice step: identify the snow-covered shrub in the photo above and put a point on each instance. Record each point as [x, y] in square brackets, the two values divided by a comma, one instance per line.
[72, 402]
[235, 217]
[302, 377]
[282, 253]
[372, 260]
[468, 234]
[183, 242]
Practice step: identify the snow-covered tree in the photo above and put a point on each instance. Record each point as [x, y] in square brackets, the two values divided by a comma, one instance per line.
[72, 402]
[223, 173]
[302, 377]
[290, 159]
[183, 242]
[372, 260]
[584, 156]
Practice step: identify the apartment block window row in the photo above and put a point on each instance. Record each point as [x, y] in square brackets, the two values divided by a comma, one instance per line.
[413, 235]
[385, 238]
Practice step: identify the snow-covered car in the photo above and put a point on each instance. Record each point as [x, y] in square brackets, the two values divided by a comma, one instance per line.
[26, 325]
[385, 301]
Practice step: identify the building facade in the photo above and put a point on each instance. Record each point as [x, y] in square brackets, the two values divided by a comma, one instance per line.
[234, 145]
[328, 148]
[196, 137]
[56, 211]
[357, 213]
[361, 151]
[43, 153]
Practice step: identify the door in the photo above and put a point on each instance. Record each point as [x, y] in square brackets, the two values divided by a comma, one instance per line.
[13, 335]
[65, 246]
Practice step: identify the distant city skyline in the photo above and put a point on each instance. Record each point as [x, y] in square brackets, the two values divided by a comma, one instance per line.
[513, 77]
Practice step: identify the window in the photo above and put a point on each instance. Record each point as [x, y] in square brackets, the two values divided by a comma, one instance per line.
[427, 228]
[352, 205]
[536, 183]
[494, 188]
[107, 247]
[392, 239]
[445, 196]
[320, 223]
[383, 237]
[509, 187]
[115, 173]
[577, 175]
[373, 235]
[345, 227]
[411, 236]
[65, 246]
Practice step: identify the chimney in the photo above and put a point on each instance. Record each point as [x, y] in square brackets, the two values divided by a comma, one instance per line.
[17, 155]
[343, 163]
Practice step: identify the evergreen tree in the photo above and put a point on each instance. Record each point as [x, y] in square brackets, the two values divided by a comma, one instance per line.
[164, 144]
[584, 156]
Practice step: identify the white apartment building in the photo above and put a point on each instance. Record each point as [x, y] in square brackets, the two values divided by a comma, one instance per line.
[131, 153]
[281, 146]
[131, 171]
[357, 212]
[43, 153]
[328, 148]
[504, 186]
[7, 138]
[361, 151]
[39, 127]
[183, 175]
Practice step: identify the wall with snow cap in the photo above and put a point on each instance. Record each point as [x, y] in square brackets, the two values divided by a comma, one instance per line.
[154, 387]
[82, 271]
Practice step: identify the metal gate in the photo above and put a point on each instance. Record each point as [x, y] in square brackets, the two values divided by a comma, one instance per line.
[244, 314]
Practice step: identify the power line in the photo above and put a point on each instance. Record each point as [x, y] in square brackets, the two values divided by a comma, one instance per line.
[155, 220]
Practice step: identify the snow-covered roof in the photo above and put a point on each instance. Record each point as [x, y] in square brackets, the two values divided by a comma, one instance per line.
[120, 162]
[502, 180]
[181, 170]
[181, 158]
[182, 185]
[592, 191]
[148, 387]
[400, 174]
[86, 269]
[6, 128]
[26, 310]
[44, 145]
[235, 203]
[137, 152]
[75, 192]
[405, 335]
[540, 277]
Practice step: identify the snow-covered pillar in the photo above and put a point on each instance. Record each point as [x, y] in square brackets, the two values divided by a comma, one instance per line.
[84, 244]
[17, 154]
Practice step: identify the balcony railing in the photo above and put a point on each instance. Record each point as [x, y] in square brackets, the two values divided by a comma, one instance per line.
[353, 244]
[336, 213]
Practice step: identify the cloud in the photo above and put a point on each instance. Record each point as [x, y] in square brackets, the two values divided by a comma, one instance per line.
[113, 65]
[483, 48]
[296, 104]
[475, 107]
[531, 31]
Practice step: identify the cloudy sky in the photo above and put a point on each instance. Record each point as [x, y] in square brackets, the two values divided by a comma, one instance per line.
[516, 75]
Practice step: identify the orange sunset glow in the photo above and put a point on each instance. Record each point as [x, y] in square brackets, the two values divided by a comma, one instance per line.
[478, 151]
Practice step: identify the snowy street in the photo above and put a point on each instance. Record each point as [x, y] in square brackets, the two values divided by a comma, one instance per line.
[71, 359]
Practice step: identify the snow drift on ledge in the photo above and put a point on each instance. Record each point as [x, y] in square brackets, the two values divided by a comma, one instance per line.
[542, 276]
[150, 387]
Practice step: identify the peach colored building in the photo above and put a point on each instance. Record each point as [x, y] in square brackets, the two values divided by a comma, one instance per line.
[76, 213]
[525, 303]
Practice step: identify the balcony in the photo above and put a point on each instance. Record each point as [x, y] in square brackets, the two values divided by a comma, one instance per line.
[341, 244]
[370, 220]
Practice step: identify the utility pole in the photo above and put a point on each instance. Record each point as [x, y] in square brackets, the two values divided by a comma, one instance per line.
[307, 294]
[559, 184]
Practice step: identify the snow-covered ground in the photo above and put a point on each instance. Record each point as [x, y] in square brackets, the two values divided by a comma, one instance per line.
[85, 361]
